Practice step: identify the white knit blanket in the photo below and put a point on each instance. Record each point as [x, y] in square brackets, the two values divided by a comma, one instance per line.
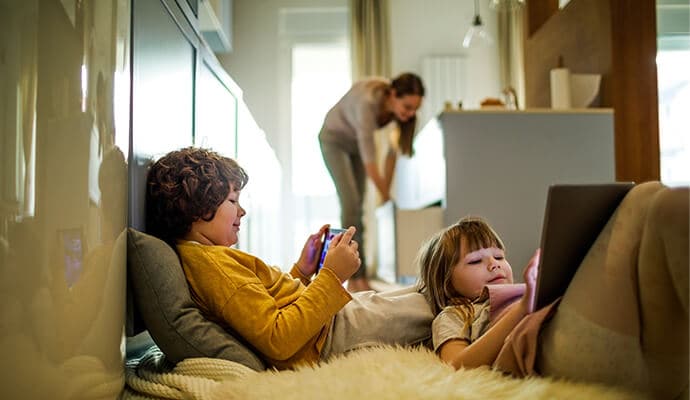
[152, 377]
[378, 373]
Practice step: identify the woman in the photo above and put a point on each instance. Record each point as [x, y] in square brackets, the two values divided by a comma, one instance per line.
[347, 145]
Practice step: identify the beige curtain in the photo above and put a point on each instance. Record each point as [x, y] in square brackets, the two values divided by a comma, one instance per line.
[369, 38]
[511, 28]
[370, 49]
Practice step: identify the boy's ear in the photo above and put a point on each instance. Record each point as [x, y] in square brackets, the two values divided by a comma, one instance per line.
[206, 217]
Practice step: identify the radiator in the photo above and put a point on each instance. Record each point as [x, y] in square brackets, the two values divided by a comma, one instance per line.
[445, 81]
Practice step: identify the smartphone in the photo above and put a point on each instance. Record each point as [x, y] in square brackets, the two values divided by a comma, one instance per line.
[327, 237]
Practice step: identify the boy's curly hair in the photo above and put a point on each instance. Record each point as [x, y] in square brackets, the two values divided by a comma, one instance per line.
[185, 186]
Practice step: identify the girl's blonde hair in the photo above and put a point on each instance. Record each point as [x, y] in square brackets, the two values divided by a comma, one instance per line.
[441, 253]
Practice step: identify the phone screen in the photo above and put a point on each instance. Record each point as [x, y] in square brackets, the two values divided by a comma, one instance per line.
[328, 236]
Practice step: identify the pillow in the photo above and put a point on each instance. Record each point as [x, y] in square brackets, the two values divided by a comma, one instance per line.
[162, 300]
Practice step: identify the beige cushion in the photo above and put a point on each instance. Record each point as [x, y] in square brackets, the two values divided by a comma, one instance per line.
[160, 297]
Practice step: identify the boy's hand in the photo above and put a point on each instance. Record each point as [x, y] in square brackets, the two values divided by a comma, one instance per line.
[343, 255]
[310, 252]
[530, 277]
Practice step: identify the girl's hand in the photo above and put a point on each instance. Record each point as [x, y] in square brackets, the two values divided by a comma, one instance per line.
[343, 255]
[310, 252]
[530, 277]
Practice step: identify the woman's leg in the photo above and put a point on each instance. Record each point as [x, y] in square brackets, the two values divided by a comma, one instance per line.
[349, 179]
[358, 215]
[663, 283]
[595, 334]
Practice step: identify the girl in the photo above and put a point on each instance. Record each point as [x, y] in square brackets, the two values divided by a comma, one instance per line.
[458, 266]
[622, 321]
[347, 145]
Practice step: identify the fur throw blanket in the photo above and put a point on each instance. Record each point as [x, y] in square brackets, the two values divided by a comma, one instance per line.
[376, 373]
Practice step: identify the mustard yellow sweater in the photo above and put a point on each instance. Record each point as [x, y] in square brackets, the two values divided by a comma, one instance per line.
[284, 316]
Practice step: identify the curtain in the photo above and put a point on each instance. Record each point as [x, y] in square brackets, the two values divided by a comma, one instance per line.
[511, 41]
[370, 49]
[369, 38]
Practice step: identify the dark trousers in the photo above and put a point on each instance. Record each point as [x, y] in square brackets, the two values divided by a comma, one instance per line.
[350, 178]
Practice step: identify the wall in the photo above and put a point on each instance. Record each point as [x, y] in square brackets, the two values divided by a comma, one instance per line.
[420, 29]
[619, 41]
[584, 48]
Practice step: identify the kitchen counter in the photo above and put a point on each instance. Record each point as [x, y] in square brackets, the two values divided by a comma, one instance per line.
[499, 163]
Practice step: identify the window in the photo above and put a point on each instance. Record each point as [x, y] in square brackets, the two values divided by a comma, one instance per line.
[317, 56]
[674, 120]
[320, 76]
[673, 64]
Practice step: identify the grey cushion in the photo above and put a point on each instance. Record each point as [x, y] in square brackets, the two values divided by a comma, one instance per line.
[160, 296]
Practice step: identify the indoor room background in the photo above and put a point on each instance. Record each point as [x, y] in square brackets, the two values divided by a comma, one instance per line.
[92, 90]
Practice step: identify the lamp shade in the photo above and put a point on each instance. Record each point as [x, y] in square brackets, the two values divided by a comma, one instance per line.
[476, 35]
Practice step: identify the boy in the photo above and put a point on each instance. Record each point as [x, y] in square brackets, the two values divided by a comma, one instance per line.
[192, 202]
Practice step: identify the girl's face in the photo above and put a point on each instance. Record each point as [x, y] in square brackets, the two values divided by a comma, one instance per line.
[223, 229]
[479, 268]
[405, 107]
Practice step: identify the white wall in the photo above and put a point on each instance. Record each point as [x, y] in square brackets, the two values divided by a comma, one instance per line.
[437, 27]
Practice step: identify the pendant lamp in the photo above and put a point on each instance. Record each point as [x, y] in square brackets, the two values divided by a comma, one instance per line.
[477, 35]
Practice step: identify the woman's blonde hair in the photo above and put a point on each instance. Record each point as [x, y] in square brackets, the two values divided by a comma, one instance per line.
[441, 253]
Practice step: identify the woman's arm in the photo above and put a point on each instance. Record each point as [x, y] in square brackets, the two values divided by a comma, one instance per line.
[379, 181]
[389, 170]
[383, 182]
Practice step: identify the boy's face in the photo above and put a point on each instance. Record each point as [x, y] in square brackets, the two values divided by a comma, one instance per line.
[224, 228]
